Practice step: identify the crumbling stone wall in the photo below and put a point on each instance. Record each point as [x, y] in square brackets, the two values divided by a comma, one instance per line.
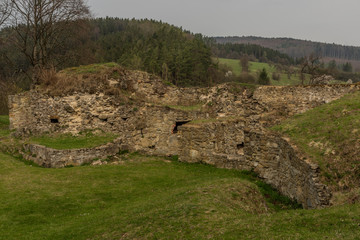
[53, 158]
[233, 145]
[219, 143]
[280, 164]
[281, 102]
[228, 130]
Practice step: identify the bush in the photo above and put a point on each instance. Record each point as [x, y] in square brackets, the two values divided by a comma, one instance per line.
[276, 76]
[246, 78]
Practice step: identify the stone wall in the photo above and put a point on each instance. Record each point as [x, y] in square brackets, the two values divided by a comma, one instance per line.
[38, 113]
[53, 158]
[232, 144]
[280, 102]
[219, 143]
[144, 127]
[280, 164]
[228, 130]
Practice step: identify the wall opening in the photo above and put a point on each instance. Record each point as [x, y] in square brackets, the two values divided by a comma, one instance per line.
[240, 148]
[178, 124]
[54, 120]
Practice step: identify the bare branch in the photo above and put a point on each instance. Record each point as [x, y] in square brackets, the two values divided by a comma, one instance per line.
[5, 11]
[42, 26]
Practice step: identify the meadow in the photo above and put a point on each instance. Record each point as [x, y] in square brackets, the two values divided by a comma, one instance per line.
[154, 198]
[256, 67]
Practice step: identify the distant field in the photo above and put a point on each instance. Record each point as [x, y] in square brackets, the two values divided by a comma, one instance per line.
[255, 67]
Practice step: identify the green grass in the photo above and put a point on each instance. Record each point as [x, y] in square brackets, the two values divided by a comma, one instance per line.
[329, 134]
[149, 198]
[4, 125]
[68, 141]
[192, 108]
[232, 63]
[93, 68]
[255, 67]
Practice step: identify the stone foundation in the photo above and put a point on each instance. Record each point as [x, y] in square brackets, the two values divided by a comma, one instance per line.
[228, 130]
[53, 158]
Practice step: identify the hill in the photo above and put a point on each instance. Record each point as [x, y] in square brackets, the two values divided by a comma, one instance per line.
[300, 48]
[236, 51]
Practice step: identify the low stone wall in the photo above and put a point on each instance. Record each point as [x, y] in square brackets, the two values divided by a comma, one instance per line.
[53, 158]
[280, 164]
[232, 145]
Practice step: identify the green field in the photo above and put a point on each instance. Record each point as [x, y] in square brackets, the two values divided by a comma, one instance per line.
[255, 67]
[152, 198]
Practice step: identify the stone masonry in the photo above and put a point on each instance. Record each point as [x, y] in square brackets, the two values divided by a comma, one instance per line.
[224, 126]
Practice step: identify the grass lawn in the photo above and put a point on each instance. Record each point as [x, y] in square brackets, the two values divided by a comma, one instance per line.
[153, 198]
[68, 141]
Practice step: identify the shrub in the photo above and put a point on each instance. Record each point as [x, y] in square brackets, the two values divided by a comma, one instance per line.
[276, 76]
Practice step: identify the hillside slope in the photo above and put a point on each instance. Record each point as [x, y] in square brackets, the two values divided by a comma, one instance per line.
[329, 134]
[299, 48]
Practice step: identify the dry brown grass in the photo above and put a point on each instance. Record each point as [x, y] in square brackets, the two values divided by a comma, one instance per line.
[85, 79]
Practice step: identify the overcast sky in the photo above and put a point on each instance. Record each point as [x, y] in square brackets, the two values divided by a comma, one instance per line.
[331, 21]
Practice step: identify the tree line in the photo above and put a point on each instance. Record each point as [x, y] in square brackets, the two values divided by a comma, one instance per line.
[255, 52]
[178, 56]
[297, 48]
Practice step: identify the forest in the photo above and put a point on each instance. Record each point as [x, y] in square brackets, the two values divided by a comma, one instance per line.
[178, 56]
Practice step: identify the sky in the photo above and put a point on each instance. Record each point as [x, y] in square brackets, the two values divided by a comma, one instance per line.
[330, 21]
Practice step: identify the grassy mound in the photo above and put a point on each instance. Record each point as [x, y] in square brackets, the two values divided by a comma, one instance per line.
[87, 79]
[152, 198]
[329, 134]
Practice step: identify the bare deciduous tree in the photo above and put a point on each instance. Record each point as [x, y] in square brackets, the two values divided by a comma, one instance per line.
[244, 63]
[40, 27]
[311, 66]
[5, 10]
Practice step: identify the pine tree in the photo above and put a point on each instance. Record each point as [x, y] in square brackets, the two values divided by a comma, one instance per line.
[264, 78]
